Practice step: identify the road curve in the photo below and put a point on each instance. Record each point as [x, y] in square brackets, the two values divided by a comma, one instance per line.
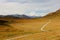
[42, 28]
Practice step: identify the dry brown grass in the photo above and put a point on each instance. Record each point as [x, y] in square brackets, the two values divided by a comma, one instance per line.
[33, 26]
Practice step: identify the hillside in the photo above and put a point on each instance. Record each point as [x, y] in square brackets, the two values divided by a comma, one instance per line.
[52, 30]
[53, 14]
[20, 27]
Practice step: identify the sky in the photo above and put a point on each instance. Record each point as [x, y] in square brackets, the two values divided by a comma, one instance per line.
[28, 7]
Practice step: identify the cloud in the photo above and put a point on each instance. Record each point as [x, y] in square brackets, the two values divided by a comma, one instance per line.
[11, 8]
[33, 1]
[28, 7]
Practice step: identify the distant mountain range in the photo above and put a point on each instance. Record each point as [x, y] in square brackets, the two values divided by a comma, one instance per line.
[16, 16]
[25, 16]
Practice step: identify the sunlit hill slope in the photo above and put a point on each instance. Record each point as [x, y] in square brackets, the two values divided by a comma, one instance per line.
[12, 27]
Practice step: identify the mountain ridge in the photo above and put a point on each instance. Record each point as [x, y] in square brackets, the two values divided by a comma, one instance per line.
[26, 16]
[53, 14]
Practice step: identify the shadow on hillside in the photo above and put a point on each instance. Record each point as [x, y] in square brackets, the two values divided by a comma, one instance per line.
[4, 23]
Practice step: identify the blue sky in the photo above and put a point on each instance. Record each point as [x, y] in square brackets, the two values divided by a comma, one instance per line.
[28, 7]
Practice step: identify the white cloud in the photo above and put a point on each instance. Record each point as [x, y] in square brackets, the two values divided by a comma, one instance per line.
[2, 1]
[11, 8]
[28, 7]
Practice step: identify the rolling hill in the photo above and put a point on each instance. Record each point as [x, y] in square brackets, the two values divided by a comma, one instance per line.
[19, 27]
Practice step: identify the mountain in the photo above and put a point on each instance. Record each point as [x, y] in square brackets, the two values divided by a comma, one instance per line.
[14, 16]
[53, 14]
[12, 28]
[17, 16]
[51, 24]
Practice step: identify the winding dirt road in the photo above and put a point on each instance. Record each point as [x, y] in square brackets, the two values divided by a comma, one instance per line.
[42, 28]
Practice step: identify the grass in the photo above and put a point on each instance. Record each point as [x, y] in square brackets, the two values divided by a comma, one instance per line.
[32, 26]
[9, 32]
